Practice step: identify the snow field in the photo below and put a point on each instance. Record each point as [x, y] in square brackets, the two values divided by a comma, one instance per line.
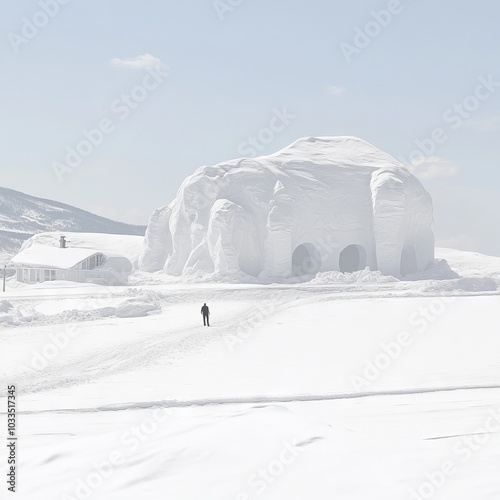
[354, 390]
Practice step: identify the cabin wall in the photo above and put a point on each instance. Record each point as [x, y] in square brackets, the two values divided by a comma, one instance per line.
[41, 275]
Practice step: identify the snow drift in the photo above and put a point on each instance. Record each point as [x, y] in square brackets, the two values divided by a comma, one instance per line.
[319, 205]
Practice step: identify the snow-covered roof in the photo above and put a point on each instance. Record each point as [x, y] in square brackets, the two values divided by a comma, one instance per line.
[127, 246]
[52, 257]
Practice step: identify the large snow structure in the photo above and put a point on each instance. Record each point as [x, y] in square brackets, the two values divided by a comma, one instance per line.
[321, 204]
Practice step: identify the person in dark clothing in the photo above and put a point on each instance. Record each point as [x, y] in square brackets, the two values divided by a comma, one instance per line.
[206, 313]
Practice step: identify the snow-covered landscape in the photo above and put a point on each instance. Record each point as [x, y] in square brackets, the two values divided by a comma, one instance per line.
[22, 215]
[250, 250]
[356, 388]
[312, 381]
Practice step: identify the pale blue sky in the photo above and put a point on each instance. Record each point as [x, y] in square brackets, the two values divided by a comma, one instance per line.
[226, 79]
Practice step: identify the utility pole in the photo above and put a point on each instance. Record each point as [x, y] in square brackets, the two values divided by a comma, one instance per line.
[4, 273]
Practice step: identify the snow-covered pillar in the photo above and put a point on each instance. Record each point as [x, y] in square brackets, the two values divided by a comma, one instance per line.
[157, 242]
[402, 222]
[389, 200]
[280, 222]
[221, 236]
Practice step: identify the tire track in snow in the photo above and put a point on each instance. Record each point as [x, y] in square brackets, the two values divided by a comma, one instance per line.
[300, 398]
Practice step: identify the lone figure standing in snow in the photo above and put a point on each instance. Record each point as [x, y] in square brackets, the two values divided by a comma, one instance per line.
[206, 313]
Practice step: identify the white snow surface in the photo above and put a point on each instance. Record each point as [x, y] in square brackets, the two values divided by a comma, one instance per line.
[295, 212]
[123, 394]
[54, 257]
[46, 246]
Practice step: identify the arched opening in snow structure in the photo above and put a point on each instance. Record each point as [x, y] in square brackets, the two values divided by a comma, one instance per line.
[306, 260]
[408, 260]
[352, 258]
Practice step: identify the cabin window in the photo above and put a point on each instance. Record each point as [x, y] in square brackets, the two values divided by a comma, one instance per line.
[49, 275]
[89, 264]
[93, 262]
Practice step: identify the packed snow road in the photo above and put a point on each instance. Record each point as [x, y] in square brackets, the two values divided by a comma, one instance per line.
[298, 330]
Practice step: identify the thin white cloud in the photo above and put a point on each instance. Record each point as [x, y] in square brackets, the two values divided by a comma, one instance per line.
[434, 167]
[335, 91]
[144, 61]
[486, 124]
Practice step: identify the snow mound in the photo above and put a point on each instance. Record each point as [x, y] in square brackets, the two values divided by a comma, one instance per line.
[364, 276]
[467, 285]
[143, 305]
[134, 309]
[441, 270]
[5, 306]
[136, 303]
[319, 205]
[471, 264]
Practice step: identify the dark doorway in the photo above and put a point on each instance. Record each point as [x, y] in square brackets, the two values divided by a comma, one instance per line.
[306, 260]
[408, 260]
[352, 258]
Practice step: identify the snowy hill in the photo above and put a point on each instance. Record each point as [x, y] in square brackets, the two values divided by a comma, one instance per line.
[22, 216]
[321, 204]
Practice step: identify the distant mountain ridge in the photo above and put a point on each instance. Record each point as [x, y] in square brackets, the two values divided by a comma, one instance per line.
[22, 216]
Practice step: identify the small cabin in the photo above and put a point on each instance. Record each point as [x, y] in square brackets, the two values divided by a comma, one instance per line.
[39, 263]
